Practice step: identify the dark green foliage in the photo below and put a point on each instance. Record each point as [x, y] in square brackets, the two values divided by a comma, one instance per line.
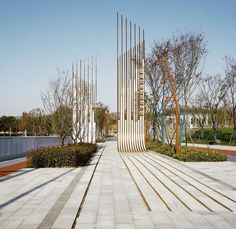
[187, 153]
[7, 122]
[57, 156]
[190, 154]
[166, 149]
[151, 144]
[161, 148]
[223, 135]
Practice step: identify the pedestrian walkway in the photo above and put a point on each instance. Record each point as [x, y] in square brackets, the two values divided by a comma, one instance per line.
[121, 190]
[229, 150]
[12, 162]
[11, 166]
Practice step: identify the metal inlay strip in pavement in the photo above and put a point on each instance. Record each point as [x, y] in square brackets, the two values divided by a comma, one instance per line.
[139, 190]
[87, 189]
[199, 201]
[158, 194]
[215, 200]
[197, 171]
[177, 197]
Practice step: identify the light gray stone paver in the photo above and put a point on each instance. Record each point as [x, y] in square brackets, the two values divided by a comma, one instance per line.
[118, 197]
[204, 180]
[113, 200]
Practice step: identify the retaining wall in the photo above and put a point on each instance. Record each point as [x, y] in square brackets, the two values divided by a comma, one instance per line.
[15, 147]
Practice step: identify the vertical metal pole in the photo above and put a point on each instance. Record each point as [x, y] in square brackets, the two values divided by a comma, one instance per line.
[122, 88]
[84, 103]
[81, 102]
[95, 90]
[130, 90]
[117, 64]
[73, 100]
[88, 101]
[76, 102]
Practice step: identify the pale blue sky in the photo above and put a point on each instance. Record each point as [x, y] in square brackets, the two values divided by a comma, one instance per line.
[36, 37]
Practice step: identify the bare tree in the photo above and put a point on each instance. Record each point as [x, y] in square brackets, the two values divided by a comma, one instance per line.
[185, 53]
[159, 96]
[212, 92]
[57, 102]
[200, 113]
[231, 95]
[154, 97]
[188, 51]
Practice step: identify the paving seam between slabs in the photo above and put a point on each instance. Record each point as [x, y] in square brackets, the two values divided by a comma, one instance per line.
[52, 215]
[87, 189]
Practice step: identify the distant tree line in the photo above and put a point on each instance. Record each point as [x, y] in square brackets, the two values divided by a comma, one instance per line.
[32, 123]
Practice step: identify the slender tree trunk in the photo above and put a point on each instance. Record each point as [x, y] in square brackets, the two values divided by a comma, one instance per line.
[233, 136]
[62, 140]
[201, 132]
[154, 129]
[185, 133]
[162, 130]
[214, 129]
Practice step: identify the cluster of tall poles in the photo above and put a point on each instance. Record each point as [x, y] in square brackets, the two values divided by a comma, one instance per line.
[84, 100]
[130, 86]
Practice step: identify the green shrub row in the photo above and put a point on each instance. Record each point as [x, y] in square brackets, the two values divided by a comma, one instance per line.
[223, 134]
[190, 154]
[57, 156]
[187, 153]
[166, 149]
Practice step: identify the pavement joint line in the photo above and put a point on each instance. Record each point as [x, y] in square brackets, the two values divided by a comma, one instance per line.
[17, 173]
[12, 168]
[177, 197]
[87, 189]
[193, 179]
[56, 209]
[31, 190]
[198, 189]
[139, 190]
[204, 205]
[195, 170]
[158, 194]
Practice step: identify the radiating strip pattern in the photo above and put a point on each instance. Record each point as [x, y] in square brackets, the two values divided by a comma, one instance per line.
[169, 185]
[130, 86]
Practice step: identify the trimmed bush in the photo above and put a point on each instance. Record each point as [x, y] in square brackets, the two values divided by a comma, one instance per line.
[161, 148]
[166, 149]
[186, 153]
[100, 140]
[222, 134]
[190, 154]
[56, 156]
[152, 145]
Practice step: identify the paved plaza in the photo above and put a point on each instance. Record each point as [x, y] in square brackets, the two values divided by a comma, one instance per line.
[121, 190]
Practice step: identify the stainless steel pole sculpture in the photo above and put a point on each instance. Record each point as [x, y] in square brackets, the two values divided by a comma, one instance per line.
[84, 100]
[130, 86]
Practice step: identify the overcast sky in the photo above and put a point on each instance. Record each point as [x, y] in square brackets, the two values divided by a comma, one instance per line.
[36, 37]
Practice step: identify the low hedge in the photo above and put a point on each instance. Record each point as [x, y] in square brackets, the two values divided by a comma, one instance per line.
[57, 156]
[166, 149]
[187, 153]
[222, 134]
